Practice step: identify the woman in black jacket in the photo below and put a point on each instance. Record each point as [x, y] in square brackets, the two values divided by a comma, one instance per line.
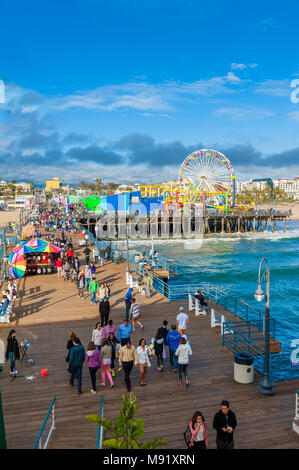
[104, 309]
[113, 342]
[69, 346]
[12, 351]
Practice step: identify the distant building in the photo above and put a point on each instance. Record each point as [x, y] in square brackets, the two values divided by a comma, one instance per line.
[52, 184]
[250, 185]
[25, 187]
[290, 186]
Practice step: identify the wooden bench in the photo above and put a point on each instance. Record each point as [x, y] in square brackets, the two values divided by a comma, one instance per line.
[217, 319]
[195, 305]
[8, 312]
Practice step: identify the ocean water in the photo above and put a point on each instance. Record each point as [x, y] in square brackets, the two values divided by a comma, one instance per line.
[231, 262]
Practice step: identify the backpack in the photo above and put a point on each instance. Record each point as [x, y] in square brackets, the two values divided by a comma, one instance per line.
[187, 436]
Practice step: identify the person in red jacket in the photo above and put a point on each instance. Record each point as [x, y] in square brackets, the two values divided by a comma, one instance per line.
[70, 255]
[59, 268]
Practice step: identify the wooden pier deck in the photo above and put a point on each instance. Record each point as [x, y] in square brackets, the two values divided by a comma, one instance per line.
[164, 226]
[47, 309]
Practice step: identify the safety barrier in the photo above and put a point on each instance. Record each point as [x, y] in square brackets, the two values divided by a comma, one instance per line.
[39, 440]
[175, 291]
[99, 444]
[296, 418]
[297, 405]
[238, 336]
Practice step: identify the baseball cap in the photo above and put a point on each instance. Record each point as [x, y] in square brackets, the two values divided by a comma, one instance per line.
[181, 309]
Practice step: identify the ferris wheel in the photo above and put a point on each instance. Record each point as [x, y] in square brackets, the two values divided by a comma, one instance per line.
[207, 170]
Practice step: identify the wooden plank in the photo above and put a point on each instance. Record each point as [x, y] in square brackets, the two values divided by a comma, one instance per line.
[47, 309]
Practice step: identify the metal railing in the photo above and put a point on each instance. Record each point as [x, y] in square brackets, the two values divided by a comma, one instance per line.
[297, 405]
[39, 444]
[100, 433]
[175, 291]
[239, 336]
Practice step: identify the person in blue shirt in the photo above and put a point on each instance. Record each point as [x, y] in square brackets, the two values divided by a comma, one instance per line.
[173, 341]
[124, 332]
[4, 306]
[128, 302]
[77, 357]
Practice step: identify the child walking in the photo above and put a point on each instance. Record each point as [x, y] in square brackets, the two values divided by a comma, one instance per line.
[106, 354]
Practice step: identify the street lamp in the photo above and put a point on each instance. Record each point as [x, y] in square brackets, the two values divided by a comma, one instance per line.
[127, 248]
[265, 387]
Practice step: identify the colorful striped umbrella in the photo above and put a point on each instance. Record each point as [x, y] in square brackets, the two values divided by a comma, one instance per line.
[42, 246]
[37, 243]
[28, 231]
[17, 263]
[51, 249]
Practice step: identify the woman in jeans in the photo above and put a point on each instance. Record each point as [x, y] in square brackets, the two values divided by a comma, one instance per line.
[158, 345]
[97, 335]
[69, 346]
[198, 430]
[93, 360]
[143, 352]
[12, 351]
[183, 352]
[115, 348]
[106, 354]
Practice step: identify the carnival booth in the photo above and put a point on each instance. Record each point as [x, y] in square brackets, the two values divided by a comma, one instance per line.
[36, 256]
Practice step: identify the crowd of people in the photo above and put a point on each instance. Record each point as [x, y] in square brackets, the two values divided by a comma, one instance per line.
[118, 346]
[110, 350]
[8, 300]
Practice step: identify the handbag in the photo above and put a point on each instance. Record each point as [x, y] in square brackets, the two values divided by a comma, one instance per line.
[187, 436]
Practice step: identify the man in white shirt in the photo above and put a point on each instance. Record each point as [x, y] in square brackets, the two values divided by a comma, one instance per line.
[182, 321]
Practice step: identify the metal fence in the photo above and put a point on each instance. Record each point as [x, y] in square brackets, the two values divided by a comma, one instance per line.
[47, 428]
[100, 432]
[297, 405]
[173, 290]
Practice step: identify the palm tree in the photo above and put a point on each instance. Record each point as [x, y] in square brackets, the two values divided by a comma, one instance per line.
[126, 431]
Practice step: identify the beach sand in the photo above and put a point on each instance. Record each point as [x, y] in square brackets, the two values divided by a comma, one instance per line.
[283, 206]
[9, 216]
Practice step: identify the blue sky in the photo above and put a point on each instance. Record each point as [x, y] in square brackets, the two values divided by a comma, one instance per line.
[125, 89]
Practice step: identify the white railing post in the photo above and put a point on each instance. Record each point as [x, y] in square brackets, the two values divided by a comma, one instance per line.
[296, 418]
[191, 303]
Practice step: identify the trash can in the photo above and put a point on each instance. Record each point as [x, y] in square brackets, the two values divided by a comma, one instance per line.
[243, 368]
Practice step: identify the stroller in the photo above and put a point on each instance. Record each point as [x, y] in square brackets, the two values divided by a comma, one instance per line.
[74, 277]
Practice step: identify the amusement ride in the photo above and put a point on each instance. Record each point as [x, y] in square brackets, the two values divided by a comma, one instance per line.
[206, 178]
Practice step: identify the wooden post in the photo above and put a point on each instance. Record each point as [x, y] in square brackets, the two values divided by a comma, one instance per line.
[222, 224]
[2, 428]
[254, 224]
[284, 225]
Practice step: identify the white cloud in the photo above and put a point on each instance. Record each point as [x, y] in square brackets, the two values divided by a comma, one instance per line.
[294, 116]
[243, 114]
[143, 96]
[273, 87]
[236, 66]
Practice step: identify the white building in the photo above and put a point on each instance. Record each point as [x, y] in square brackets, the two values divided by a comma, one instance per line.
[25, 187]
[250, 185]
[290, 186]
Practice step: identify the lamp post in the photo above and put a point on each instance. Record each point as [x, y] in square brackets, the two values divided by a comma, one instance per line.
[127, 248]
[5, 258]
[265, 386]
